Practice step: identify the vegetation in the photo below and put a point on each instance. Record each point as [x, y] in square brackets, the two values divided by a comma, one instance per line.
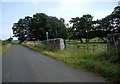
[85, 56]
[90, 57]
[81, 26]
[35, 28]
[5, 45]
[85, 27]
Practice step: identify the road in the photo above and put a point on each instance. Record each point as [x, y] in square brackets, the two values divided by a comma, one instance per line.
[21, 64]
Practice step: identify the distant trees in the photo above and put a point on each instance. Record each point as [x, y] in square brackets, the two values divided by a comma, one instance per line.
[7, 41]
[35, 28]
[85, 27]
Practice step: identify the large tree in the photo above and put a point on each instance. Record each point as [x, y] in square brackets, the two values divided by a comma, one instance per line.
[109, 24]
[39, 26]
[19, 30]
[82, 26]
[35, 28]
[85, 27]
[74, 30]
[58, 28]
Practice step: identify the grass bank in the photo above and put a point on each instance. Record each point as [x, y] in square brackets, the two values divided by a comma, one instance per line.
[4, 47]
[89, 57]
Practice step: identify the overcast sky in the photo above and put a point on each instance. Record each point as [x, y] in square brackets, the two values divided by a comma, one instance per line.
[12, 10]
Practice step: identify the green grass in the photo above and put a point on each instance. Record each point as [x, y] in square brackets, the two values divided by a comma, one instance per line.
[89, 57]
[4, 47]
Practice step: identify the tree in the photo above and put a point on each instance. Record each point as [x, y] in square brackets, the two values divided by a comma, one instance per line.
[39, 26]
[35, 28]
[74, 30]
[9, 39]
[109, 24]
[85, 26]
[114, 20]
[58, 28]
[27, 22]
[19, 30]
[82, 27]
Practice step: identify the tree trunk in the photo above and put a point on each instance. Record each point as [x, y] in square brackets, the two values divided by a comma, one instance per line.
[86, 40]
[69, 39]
[81, 40]
[65, 43]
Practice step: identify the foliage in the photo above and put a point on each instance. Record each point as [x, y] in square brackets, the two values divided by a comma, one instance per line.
[85, 27]
[6, 44]
[35, 28]
[7, 41]
[109, 24]
[82, 26]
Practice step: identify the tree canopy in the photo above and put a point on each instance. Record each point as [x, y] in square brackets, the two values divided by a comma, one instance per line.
[35, 28]
[85, 27]
[82, 26]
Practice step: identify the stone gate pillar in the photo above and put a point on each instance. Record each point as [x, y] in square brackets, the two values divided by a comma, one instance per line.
[114, 41]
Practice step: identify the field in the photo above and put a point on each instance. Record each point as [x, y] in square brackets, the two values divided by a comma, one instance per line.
[87, 57]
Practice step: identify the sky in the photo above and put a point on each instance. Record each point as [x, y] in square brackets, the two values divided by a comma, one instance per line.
[12, 10]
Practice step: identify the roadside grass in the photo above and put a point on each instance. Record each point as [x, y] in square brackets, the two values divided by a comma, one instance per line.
[0, 48]
[88, 57]
[4, 47]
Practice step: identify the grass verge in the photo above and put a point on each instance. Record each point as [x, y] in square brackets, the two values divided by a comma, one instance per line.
[89, 57]
[4, 47]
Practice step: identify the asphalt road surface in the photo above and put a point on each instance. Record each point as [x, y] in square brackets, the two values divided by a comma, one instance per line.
[21, 64]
